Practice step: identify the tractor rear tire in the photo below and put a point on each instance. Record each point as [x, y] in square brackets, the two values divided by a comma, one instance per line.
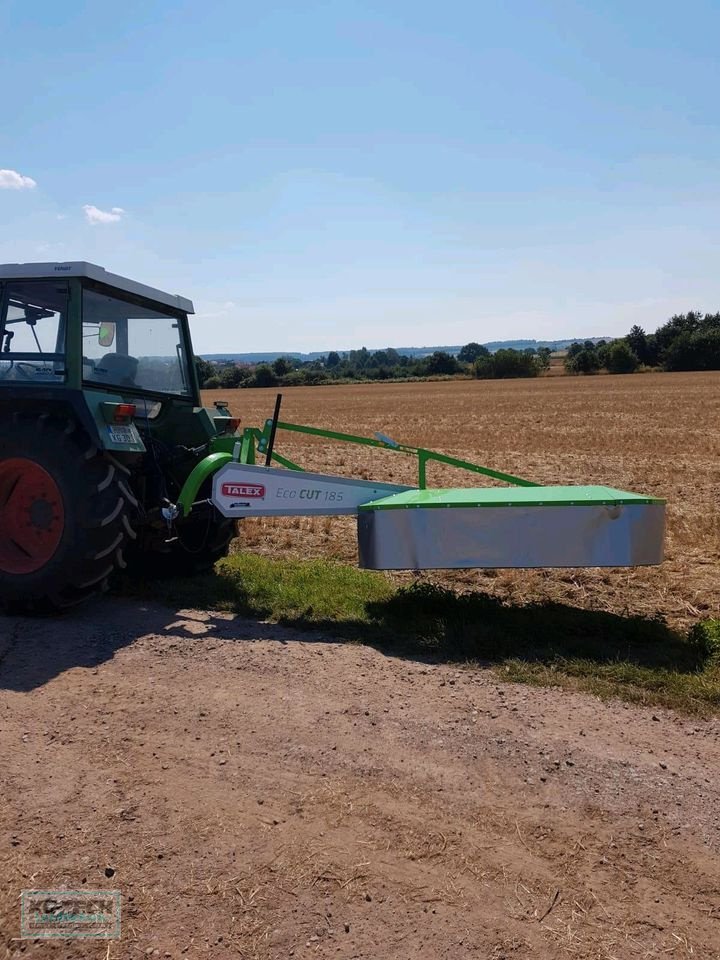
[64, 515]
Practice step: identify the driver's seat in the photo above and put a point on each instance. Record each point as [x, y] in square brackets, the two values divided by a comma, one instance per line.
[116, 368]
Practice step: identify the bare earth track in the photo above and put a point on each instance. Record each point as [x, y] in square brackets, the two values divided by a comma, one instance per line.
[260, 793]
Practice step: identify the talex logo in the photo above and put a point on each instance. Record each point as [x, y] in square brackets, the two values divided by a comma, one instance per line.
[243, 490]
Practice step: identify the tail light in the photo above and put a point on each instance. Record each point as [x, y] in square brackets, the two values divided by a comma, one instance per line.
[228, 425]
[123, 412]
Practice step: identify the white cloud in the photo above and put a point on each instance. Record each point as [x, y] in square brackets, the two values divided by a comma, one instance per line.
[95, 215]
[12, 180]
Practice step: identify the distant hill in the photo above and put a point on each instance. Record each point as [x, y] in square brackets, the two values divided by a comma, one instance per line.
[262, 357]
[493, 345]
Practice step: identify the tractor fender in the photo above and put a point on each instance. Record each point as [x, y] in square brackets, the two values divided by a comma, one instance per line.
[202, 472]
[85, 407]
[39, 400]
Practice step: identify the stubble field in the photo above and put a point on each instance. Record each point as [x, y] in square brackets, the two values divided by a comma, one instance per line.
[655, 433]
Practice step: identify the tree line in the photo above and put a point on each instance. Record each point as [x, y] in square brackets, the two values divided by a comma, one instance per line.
[689, 341]
[357, 365]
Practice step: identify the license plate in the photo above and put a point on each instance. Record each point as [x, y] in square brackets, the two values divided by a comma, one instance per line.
[122, 435]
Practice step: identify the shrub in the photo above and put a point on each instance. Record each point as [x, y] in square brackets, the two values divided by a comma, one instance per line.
[695, 351]
[471, 352]
[233, 375]
[619, 358]
[441, 363]
[264, 377]
[705, 638]
[296, 378]
[585, 361]
[505, 365]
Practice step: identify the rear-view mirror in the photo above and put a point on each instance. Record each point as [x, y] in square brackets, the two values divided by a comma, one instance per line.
[106, 337]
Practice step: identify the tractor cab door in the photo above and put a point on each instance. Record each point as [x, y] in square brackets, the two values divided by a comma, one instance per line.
[33, 326]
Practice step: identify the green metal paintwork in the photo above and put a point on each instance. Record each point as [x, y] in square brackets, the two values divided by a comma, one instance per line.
[567, 496]
[424, 456]
[247, 449]
[284, 462]
[202, 472]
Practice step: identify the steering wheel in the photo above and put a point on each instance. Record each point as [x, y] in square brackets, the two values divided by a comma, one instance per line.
[17, 366]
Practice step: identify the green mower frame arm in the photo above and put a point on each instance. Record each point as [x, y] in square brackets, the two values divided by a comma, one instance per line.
[243, 449]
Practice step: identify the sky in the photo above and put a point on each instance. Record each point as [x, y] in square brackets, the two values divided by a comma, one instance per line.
[328, 175]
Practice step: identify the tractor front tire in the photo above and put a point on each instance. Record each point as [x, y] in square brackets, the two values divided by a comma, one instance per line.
[64, 515]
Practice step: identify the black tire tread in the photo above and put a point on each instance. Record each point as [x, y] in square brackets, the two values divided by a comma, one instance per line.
[97, 514]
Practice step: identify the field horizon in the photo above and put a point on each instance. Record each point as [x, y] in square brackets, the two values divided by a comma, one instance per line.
[260, 356]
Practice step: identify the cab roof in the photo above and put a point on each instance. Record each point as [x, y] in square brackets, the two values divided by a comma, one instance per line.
[81, 268]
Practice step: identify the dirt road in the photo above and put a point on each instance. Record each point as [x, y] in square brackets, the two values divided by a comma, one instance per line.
[254, 792]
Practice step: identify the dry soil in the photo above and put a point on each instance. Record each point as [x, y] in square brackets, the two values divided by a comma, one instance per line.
[257, 793]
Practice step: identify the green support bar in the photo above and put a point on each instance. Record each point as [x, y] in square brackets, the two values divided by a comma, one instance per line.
[284, 462]
[423, 455]
[334, 435]
[247, 449]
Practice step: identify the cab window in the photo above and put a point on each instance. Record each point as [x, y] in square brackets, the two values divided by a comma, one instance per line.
[33, 316]
[131, 346]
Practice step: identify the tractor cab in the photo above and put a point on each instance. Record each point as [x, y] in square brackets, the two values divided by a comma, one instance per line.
[78, 326]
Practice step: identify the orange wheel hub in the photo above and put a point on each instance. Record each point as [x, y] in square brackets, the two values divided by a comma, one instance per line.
[32, 516]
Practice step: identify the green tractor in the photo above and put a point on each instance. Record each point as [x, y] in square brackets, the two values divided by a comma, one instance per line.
[101, 425]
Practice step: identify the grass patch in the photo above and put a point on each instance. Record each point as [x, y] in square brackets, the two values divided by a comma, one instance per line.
[636, 658]
[696, 693]
[306, 594]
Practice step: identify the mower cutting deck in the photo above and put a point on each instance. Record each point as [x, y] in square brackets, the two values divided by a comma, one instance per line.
[520, 527]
